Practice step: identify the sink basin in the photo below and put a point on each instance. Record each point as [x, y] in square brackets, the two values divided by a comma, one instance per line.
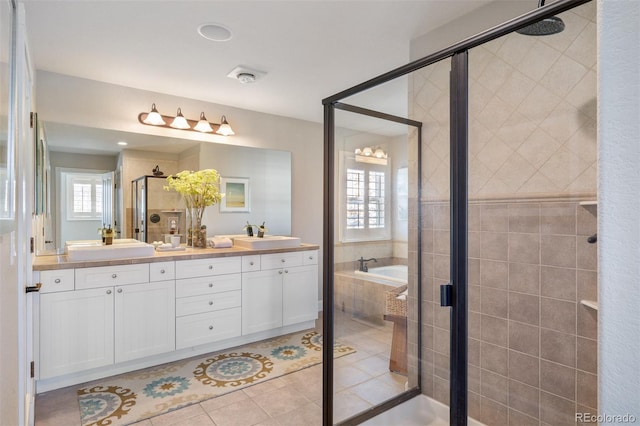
[266, 242]
[94, 250]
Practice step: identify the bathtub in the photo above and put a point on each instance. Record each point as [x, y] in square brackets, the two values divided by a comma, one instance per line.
[362, 294]
[395, 275]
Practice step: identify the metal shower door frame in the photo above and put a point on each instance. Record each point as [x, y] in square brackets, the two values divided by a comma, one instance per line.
[459, 166]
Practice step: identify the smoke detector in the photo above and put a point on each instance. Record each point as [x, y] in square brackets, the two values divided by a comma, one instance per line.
[245, 74]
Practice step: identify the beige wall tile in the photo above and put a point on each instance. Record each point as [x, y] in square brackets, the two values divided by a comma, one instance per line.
[473, 266]
[524, 398]
[474, 241]
[586, 254]
[493, 358]
[516, 418]
[559, 283]
[474, 352]
[524, 248]
[473, 378]
[524, 368]
[474, 222]
[558, 250]
[473, 405]
[558, 315]
[494, 274]
[493, 413]
[587, 355]
[475, 325]
[558, 347]
[495, 330]
[555, 410]
[524, 338]
[475, 298]
[524, 278]
[587, 221]
[494, 302]
[494, 245]
[524, 218]
[587, 322]
[587, 389]
[494, 218]
[494, 386]
[558, 379]
[558, 218]
[587, 285]
[524, 308]
[441, 216]
[441, 241]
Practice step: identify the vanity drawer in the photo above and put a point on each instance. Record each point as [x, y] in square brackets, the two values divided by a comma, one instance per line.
[310, 257]
[58, 280]
[250, 263]
[208, 267]
[280, 260]
[104, 276]
[208, 285]
[208, 303]
[199, 329]
[162, 271]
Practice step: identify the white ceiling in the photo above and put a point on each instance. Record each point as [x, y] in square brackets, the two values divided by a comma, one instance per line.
[309, 49]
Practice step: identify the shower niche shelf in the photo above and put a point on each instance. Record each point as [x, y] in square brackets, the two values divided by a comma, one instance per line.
[590, 304]
[589, 203]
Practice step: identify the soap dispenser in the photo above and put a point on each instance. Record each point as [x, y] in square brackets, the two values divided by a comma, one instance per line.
[108, 236]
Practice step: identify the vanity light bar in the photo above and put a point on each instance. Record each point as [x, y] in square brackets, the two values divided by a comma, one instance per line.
[153, 118]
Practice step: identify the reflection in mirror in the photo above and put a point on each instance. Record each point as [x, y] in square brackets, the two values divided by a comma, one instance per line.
[83, 149]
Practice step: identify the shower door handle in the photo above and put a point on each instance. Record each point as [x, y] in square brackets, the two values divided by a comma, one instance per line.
[446, 295]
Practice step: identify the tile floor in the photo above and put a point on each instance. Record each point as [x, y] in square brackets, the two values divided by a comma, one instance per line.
[362, 379]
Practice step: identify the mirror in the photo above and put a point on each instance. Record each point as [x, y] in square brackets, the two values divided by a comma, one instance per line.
[77, 150]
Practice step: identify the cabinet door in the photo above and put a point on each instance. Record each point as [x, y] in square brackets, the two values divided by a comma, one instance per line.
[261, 301]
[76, 331]
[300, 294]
[145, 320]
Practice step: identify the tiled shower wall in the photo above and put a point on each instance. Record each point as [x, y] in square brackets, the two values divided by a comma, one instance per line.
[532, 157]
[532, 344]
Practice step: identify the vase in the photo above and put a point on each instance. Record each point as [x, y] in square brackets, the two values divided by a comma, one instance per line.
[196, 231]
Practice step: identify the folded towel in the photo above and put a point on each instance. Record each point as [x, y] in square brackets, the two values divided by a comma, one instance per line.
[219, 242]
[403, 295]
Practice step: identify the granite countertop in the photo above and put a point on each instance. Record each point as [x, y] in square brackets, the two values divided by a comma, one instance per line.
[53, 262]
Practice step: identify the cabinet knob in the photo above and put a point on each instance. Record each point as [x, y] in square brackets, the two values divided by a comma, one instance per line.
[210, 284]
[251, 263]
[286, 271]
[280, 272]
[57, 281]
[162, 271]
[119, 290]
[210, 266]
[282, 260]
[210, 303]
[210, 327]
[310, 257]
[114, 275]
[108, 291]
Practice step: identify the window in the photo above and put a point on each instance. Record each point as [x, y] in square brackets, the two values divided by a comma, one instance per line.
[84, 196]
[365, 203]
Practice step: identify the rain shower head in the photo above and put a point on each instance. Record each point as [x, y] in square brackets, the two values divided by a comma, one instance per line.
[547, 26]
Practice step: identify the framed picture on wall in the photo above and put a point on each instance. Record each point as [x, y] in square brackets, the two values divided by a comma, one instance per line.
[237, 198]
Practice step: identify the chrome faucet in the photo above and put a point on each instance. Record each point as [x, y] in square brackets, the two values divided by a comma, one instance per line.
[363, 263]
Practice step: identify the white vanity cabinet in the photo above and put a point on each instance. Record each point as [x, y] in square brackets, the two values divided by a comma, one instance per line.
[208, 298]
[76, 331]
[113, 314]
[284, 292]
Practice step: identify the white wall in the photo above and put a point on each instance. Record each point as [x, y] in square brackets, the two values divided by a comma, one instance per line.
[619, 206]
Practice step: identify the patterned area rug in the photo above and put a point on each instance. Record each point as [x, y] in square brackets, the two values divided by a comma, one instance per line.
[131, 397]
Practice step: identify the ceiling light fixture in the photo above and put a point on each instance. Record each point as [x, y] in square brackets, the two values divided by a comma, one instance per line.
[371, 155]
[122, 143]
[154, 118]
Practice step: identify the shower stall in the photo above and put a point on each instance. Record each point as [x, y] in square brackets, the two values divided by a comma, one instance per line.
[499, 144]
[155, 212]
